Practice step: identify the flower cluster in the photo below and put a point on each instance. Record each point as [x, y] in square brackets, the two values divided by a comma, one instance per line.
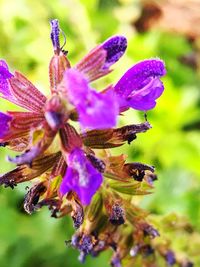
[72, 169]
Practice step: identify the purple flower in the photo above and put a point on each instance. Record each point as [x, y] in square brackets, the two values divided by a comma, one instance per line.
[80, 177]
[140, 86]
[96, 110]
[4, 123]
[4, 76]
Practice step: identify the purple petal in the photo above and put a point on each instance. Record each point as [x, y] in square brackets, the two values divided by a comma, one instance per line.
[98, 61]
[4, 124]
[81, 177]
[96, 110]
[101, 113]
[115, 48]
[140, 86]
[4, 76]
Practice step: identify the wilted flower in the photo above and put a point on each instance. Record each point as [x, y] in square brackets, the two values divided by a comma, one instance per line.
[69, 176]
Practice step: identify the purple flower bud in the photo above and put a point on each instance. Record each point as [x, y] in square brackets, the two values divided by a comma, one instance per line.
[115, 48]
[55, 31]
[117, 215]
[150, 231]
[140, 86]
[170, 257]
[4, 124]
[96, 110]
[97, 63]
[81, 177]
[116, 262]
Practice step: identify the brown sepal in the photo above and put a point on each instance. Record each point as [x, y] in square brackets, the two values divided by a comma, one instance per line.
[21, 124]
[92, 64]
[70, 138]
[110, 138]
[25, 94]
[58, 65]
[25, 173]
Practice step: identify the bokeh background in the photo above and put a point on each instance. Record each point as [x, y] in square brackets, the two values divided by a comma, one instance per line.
[166, 29]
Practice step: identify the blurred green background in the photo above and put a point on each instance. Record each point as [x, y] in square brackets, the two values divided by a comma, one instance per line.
[172, 145]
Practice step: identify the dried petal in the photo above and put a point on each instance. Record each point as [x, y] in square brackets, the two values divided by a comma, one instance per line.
[77, 214]
[137, 170]
[53, 205]
[33, 196]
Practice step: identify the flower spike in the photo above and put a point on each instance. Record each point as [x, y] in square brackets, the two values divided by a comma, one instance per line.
[72, 169]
